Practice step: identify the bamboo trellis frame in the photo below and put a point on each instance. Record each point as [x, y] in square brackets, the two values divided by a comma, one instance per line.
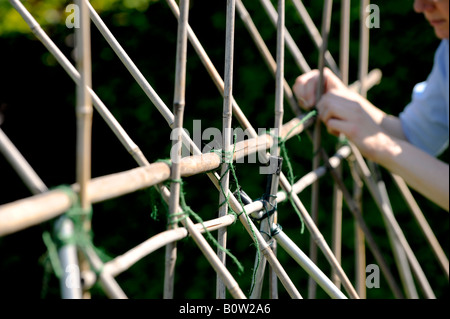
[47, 204]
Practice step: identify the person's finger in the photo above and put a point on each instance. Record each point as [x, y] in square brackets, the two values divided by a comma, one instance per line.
[337, 127]
[304, 89]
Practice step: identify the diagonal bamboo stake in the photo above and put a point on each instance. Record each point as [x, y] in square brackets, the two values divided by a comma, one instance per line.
[326, 24]
[175, 153]
[314, 33]
[227, 114]
[310, 267]
[424, 226]
[352, 205]
[393, 225]
[21, 166]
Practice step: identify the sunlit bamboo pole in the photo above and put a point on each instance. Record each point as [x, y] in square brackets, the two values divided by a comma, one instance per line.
[175, 153]
[424, 226]
[393, 225]
[226, 136]
[314, 33]
[326, 24]
[368, 235]
[311, 268]
[363, 68]
[21, 166]
[84, 119]
[279, 113]
[344, 57]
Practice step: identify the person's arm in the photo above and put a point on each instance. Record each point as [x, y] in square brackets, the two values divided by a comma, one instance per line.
[423, 172]
[377, 135]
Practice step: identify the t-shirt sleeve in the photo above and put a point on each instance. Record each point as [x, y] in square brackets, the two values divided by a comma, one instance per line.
[425, 120]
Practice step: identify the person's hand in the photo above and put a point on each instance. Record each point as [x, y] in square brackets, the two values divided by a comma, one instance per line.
[306, 85]
[343, 112]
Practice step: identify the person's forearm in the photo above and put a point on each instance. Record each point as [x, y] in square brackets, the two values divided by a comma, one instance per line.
[424, 173]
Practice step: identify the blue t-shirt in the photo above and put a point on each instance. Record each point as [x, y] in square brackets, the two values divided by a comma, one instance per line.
[425, 120]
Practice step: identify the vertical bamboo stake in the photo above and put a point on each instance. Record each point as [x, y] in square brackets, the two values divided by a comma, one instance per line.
[337, 193]
[84, 104]
[226, 135]
[175, 154]
[363, 65]
[326, 24]
[279, 112]
[84, 117]
[314, 33]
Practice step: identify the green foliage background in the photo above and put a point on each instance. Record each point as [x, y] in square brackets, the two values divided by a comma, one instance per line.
[37, 112]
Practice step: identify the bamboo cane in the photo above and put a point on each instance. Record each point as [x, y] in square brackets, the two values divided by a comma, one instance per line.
[70, 282]
[226, 135]
[279, 112]
[401, 260]
[344, 57]
[326, 24]
[310, 267]
[424, 226]
[369, 238]
[363, 66]
[393, 225]
[84, 119]
[109, 285]
[175, 154]
[314, 33]
[21, 166]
